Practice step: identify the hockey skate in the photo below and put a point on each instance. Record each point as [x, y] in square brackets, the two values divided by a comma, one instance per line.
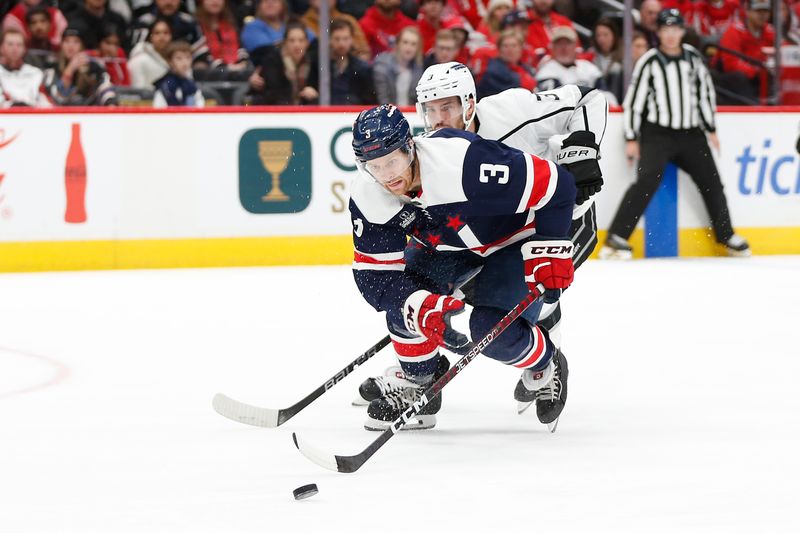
[548, 388]
[737, 247]
[386, 409]
[615, 247]
[393, 379]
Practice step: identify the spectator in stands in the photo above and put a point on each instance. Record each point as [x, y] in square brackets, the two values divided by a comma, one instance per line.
[543, 21]
[397, 71]
[288, 74]
[444, 50]
[111, 55]
[648, 25]
[78, 79]
[639, 45]
[215, 18]
[564, 67]
[791, 23]
[184, 28]
[91, 18]
[492, 22]
[148, 61]
[472, 11]
[520, 22]
[753, 39]
[462, 41]
[360, 45]
[42, 53]
[606, 55]
[382, 24]
[506, 71]
[351, 78]
[267, 28]
[22, 84]
[177, 88]
[713, 17]
[17, 18]
[431, 19]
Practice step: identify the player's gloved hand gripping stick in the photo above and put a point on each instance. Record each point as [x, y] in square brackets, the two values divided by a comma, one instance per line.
[579, 154]
[351, 463]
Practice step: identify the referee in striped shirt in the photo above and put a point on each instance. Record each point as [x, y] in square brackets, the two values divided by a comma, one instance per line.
[669, 109]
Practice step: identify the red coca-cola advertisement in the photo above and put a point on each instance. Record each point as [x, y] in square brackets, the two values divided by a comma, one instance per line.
[75, 179]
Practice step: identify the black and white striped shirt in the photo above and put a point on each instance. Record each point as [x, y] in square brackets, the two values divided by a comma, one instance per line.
[672, 92]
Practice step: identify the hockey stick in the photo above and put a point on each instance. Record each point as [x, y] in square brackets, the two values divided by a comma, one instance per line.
[350, 463]
[271, 418]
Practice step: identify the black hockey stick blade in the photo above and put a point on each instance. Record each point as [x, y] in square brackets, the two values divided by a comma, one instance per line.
[271, 418]
[348, 464]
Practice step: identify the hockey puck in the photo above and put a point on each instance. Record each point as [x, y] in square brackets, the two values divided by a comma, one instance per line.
[306, 491]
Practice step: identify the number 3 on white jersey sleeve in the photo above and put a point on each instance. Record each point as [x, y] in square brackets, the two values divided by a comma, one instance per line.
[489, 170]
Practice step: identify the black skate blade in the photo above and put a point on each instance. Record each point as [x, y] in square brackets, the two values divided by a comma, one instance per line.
[417, 423]
[553, 425]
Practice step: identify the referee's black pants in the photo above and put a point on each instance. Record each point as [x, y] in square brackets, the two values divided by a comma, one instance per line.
[689, 150]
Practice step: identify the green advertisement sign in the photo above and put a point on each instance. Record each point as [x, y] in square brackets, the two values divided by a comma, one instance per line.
[275, 170]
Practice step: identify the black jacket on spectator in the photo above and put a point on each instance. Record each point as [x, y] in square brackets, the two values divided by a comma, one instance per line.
[277, 88]
[497, 78]
[91, 27]
[354, 86]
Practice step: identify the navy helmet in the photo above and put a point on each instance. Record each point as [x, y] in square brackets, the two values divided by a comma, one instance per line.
[380, 131]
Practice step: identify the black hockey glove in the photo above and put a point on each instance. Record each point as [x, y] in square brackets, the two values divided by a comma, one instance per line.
[579, 154]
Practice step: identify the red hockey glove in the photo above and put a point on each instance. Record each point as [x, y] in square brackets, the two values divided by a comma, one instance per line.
[429, 315]
[548, 263]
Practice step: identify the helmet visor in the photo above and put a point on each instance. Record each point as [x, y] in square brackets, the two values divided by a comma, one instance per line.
[442, 113]
[387, 168]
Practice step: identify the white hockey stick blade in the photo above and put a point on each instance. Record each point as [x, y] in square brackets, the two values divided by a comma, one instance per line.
[245, 413]
[325, 460]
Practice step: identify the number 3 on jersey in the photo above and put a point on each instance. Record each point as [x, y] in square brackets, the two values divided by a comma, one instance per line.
[488, 170]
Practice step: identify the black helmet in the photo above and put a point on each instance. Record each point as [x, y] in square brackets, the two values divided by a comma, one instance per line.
[669, 17]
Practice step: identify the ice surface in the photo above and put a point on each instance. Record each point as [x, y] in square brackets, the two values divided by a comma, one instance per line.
[683, 412]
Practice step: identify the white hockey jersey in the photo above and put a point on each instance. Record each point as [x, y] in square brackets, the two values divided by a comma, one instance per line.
[22, 86]
[537, 122]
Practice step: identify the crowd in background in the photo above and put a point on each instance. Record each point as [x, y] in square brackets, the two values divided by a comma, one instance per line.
[92, 52]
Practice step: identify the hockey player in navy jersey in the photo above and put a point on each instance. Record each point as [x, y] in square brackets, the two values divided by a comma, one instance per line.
[565, 125]
[474, 209]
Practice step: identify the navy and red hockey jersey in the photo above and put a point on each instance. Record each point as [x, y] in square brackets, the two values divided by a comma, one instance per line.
[477, 195]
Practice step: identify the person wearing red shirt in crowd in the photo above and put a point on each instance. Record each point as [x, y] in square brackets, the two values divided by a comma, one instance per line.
[506, 71]
[473, 11]
[16, 19]
[492, 22]
[464, 55]
[381, 24]
[755, 39]
[543, 20]
[707, 17]
[216, 20]
[431, 19]
[111, 55]
[717, 16]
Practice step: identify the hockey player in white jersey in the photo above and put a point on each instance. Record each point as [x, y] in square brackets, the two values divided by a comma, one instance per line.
[564, 125]
[475, 210]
